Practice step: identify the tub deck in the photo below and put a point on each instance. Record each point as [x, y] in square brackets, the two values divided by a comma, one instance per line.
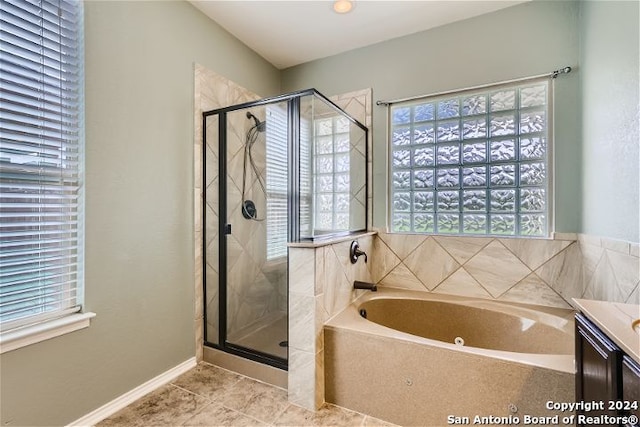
[413, 380]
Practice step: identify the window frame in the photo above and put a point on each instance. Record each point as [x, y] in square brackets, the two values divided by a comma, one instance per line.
[485, 90]
[22, 331]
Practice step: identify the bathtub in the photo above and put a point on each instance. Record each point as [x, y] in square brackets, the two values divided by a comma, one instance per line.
[430, 359]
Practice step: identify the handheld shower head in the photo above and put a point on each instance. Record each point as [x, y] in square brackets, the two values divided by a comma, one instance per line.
[260, 126]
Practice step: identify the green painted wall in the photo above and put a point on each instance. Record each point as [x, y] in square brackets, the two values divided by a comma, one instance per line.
[139, 209]
[609, 80]
[520, 41]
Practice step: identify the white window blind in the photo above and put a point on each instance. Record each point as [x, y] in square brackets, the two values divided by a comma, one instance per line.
[306, 175]
[40, 160]
[277, 176]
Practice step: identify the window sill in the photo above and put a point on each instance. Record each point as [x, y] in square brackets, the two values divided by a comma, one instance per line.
[12, 340]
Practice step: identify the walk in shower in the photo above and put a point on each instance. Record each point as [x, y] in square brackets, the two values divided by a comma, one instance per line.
[291, 168]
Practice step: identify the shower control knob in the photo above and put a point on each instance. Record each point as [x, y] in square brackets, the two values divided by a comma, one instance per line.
[355, 252]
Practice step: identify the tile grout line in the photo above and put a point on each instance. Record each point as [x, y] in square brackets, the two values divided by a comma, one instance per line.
[287, 406]
[628, 300]
[245, 414]
[190, 392]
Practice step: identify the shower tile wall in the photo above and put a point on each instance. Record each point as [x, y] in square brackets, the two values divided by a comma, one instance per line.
[320, 281]
[264, 289]
[321, 286]
[544, 272]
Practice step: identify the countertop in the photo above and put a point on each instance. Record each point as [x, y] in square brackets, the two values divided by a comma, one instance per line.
[615, 320]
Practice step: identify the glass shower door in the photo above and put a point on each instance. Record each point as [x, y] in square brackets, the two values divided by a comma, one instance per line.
[256, 230]
[286, 169]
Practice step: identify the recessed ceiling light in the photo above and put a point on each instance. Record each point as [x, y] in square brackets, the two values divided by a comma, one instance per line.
[342, 6]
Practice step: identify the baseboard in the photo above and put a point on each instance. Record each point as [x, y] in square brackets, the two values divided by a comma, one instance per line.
[131, 396]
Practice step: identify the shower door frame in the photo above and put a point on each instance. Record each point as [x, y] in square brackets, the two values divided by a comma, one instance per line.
[293, 208]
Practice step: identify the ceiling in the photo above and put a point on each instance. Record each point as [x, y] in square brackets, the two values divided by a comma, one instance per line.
[288, 33]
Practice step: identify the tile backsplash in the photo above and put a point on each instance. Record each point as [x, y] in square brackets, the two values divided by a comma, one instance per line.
[534, 271]
[610, 269]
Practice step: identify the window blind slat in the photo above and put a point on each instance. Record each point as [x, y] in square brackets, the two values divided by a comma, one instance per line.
[30, 50]
[35, 97]
[45, 283]
[19, 283]
[60, 197]
[35, 216]
[27, 314]
[47, 17]
[25, 261]
[12, 20]
[32, 70]
[37, 242]
[40, 97]
[46, 302]
[40, 281]
[43, 170]
[14, 296]
[24, 107]
[40, 160]
[34, 301]
[35, 141]
[277, 182]
[33, 255]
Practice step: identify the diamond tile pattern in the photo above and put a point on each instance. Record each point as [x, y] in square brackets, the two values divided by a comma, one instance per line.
[402, 277]
[496, 268]
[430, 263]
[533, 271]
[462, 283]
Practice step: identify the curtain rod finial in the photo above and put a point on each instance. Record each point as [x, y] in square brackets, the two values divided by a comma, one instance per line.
[556, 73]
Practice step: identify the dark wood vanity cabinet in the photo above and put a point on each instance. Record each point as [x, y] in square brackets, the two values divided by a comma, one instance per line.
[631, 385]
[603, 372]
[598, 362]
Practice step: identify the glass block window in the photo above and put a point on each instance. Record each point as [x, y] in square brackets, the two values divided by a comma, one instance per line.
[331, 173]
[472, 163]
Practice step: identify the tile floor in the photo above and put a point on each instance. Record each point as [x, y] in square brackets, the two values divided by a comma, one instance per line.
[211, 396]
